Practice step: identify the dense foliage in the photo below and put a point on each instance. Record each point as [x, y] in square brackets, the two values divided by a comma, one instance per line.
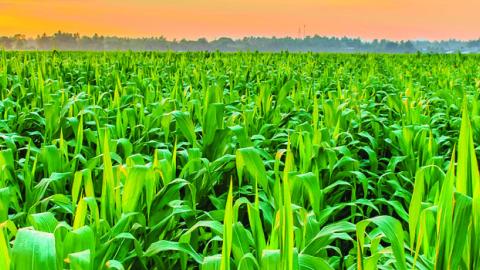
[239, 161]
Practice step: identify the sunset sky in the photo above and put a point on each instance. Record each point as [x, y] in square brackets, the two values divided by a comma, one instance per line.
[192, 19]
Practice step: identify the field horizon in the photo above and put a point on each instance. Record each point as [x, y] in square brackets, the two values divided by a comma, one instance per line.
[304, 43]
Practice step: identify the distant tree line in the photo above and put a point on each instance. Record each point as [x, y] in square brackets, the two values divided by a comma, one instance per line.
[73, 41]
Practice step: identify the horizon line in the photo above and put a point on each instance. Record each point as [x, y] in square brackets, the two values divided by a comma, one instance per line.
[235, 38]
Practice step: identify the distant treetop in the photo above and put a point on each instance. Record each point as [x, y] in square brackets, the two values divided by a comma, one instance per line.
[76, 42]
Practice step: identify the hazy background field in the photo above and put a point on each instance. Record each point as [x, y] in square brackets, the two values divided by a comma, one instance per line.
[76, 42]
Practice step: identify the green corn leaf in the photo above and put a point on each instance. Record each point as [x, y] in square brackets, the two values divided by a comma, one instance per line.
[284, 91]
[287, 216]
[307, 262]
[133, 188]
[108, 184]
[80, 260]
[185, 125]
[211, 262]
[44, 222]
[163, 245]
[33, 250]
[248, 262]
[4, 251]
[79, 240]
[444, 218]
[256, 225]
[271, 259]
[415, 206]
[6, 166]
[227, 230]
[461, 222]
[4, 203]
[393, 232]
[467, 168]
[113, 264]
[249, 160]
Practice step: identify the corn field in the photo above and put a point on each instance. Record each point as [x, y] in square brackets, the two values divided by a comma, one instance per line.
[239, 161]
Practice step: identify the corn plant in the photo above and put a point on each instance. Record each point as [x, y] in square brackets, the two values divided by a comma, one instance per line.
[130, 160]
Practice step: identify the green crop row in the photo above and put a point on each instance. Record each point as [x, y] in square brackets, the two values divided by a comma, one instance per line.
[239, 161]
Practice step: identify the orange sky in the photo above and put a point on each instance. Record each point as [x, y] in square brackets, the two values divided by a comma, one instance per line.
[191, 19]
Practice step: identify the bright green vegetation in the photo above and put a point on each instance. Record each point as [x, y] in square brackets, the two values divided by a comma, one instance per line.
[239, 161]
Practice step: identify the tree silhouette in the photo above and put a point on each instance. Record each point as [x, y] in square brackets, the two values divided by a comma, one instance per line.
[74, 41]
